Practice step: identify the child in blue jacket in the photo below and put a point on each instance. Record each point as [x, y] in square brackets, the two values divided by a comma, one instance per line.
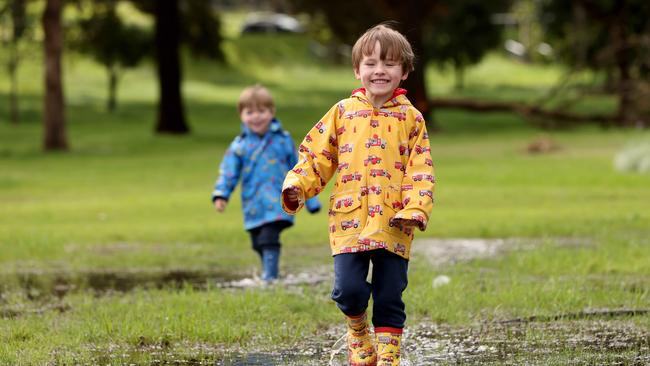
[261, 155]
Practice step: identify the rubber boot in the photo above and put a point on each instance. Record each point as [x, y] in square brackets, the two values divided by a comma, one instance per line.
[270, 264]
[388, 346]
[361, 350]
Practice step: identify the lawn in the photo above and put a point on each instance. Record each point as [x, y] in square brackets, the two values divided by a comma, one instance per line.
[113, 249]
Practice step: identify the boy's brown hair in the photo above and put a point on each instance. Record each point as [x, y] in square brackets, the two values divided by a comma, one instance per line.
[394, 46]
[255, 96]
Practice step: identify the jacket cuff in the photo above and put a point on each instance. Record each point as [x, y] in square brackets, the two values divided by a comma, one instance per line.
[292, 207]
[219, 194]
[414, 214]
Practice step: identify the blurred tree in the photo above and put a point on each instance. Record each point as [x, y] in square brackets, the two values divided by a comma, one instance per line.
[53, 113]
[611, 36]
[112, 43]
[190, 21]
[13, 12]
[463, 33]
[349, 19]
[200, 29]
[457, 31]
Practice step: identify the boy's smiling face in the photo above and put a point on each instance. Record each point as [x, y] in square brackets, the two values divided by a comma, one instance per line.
[379, 77]
[257, 118]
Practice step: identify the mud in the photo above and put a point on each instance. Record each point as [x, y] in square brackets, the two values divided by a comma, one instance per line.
[39, 292]
[613, 342]
[588, 338]
[37, 284]
[443, 252]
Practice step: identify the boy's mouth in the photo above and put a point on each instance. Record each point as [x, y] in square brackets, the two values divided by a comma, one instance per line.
[380, 81]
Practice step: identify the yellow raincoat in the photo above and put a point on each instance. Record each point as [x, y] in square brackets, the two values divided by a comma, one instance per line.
[384, 170]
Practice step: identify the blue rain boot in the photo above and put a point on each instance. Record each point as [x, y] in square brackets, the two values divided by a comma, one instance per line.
[270, 263]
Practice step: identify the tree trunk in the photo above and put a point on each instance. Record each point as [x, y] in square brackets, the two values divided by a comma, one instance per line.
[459, 77]
[13, 83]
[53, 113]
[415, 82]
[410, 15]
[171, 114]
[623, 59]
[19, 25]
[112, 88]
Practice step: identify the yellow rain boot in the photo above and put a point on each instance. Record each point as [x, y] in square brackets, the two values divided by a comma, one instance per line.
[361, 350]
[388, 346]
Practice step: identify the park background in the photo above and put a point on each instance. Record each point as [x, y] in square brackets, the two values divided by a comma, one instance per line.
[537, 251]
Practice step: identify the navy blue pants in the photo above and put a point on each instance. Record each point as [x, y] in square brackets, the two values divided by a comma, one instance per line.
[389, 279]
[266, 242]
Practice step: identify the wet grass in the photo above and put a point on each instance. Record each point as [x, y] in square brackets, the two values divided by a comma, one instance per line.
[112, 253]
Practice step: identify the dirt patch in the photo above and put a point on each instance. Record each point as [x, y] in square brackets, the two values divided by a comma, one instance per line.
[614, 342]
[441, 252]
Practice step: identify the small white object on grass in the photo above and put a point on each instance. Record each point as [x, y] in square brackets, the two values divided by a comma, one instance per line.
[441, 281]
[634, 158]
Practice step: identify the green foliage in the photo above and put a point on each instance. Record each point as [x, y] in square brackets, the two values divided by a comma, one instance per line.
[200, 29]
[589, 33]
[464, 34]
[109, 40]
[200, 26]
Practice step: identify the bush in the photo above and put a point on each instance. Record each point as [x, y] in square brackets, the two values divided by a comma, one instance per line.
[634, 158]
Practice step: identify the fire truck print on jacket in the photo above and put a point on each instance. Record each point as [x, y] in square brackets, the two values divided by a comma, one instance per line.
[383, 166]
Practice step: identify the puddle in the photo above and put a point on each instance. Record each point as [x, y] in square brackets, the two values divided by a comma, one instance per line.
[39, 292]
[38, 284]
[567, 343]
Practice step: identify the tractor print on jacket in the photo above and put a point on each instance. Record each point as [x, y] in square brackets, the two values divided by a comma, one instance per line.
[382, 169]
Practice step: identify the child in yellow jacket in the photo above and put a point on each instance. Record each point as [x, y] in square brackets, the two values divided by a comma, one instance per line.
[377, 144]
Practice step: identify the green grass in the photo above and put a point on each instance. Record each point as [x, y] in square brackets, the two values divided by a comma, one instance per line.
[125, 200]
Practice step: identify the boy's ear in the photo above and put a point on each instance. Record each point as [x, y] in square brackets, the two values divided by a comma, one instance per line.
[357, 75]
[404, 76]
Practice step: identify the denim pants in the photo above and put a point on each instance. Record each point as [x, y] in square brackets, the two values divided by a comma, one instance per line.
[266, 242]
[389, 279]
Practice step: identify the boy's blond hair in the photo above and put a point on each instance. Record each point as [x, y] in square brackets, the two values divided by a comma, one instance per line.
[255, 96]
[394, 46]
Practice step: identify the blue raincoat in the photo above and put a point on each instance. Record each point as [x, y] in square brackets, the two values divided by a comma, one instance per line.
[262, 163]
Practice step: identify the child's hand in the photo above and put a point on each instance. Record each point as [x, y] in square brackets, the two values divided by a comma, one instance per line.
[405, 223]
[291, 196]
[220, 204]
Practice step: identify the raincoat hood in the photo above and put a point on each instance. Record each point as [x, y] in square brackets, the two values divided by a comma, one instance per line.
[398, 98]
